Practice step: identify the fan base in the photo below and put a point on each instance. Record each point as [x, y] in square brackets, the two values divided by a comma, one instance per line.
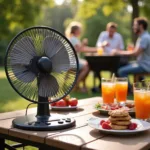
[54, 122]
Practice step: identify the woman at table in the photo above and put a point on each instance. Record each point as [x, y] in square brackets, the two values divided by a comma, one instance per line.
[73, 33]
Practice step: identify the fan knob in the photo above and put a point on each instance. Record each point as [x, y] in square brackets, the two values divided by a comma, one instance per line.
[45, 64]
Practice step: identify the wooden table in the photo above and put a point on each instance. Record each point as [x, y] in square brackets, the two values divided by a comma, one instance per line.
[80, 137]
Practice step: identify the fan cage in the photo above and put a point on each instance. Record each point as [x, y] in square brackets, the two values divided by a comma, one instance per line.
[74, 64]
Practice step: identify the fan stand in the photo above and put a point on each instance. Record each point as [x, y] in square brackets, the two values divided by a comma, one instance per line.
[43, 121]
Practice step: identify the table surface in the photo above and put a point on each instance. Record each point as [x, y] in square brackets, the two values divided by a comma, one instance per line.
[80, 137]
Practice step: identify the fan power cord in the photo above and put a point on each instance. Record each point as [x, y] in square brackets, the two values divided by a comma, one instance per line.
[27, 108]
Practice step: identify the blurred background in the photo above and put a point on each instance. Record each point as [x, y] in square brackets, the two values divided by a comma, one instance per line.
[16, 15]
[93, 14]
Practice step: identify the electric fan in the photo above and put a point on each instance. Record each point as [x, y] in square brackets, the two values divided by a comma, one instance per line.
[40, 63]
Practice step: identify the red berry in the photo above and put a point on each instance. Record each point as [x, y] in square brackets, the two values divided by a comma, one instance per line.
[132, 126]
[117, 107]
[108, 122]
[113, 108]
[102, 121]
[135, 125]
[106, 126]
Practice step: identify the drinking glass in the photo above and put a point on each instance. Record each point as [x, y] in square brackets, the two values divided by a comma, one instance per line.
[142, 100]
[121, 89]
[108, 91]
[130, 47]
[100, 51]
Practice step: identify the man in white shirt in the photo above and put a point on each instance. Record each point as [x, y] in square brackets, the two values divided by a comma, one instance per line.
[110, 39]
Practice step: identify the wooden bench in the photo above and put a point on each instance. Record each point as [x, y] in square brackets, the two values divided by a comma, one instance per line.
[137, 76]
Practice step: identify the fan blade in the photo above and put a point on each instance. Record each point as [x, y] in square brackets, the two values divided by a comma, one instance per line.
[23, 51]
[60, 61]
[52, 45]
[48, 86]
[23, 74]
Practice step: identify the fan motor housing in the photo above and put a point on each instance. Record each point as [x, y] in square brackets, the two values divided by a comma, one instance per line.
[45, 64]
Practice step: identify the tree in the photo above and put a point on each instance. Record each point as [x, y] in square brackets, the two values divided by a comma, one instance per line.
[94, 25]
[89, 8]
[16, 15]
[55, 17]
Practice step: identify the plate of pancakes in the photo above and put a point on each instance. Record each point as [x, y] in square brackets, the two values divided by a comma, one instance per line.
[119, 123]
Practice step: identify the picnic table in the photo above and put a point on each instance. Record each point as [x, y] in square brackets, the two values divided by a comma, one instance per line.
[80, 137]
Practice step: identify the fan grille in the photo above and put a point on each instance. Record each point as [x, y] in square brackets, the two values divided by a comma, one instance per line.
[41, 42]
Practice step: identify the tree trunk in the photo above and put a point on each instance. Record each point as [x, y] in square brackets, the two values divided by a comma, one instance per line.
[135, 13]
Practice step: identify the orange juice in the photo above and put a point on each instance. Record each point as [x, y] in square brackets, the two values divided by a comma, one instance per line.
[108, 92]
[130, 47]
[121, 91]
[142, 104]
[100, 51]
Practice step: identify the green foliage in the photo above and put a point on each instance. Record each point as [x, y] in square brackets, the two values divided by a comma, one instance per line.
[96, 13]
[56, 16]
[16, 15]
[145, 8]
[89, 8]
[97, 23]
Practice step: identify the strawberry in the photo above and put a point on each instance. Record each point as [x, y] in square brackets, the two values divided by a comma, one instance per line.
[106, 126]
[113, 108]
[73, 102]
[132, 126]
[116, 107]
[61, 103]
[108, 122]
[102, 121]
[120, 106]
[135, 125]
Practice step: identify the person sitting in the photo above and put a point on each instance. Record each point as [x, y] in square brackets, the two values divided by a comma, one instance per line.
[110, 39]
[141, 50]
[73, 33]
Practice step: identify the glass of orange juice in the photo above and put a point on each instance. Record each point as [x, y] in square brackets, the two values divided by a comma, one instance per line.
[121, 89]
[142, 101]
[108, 91]
[100, 51]
[130, 47]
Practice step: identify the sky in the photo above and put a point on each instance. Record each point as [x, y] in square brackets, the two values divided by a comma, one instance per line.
[59, 2]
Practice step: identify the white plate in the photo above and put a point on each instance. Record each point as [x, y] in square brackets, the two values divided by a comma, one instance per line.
[67, 108]
[142, 126]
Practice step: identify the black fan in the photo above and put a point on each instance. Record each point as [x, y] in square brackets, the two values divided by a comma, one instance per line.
[41, 63]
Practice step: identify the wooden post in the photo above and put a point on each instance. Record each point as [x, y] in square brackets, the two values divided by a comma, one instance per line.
[135, 13]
